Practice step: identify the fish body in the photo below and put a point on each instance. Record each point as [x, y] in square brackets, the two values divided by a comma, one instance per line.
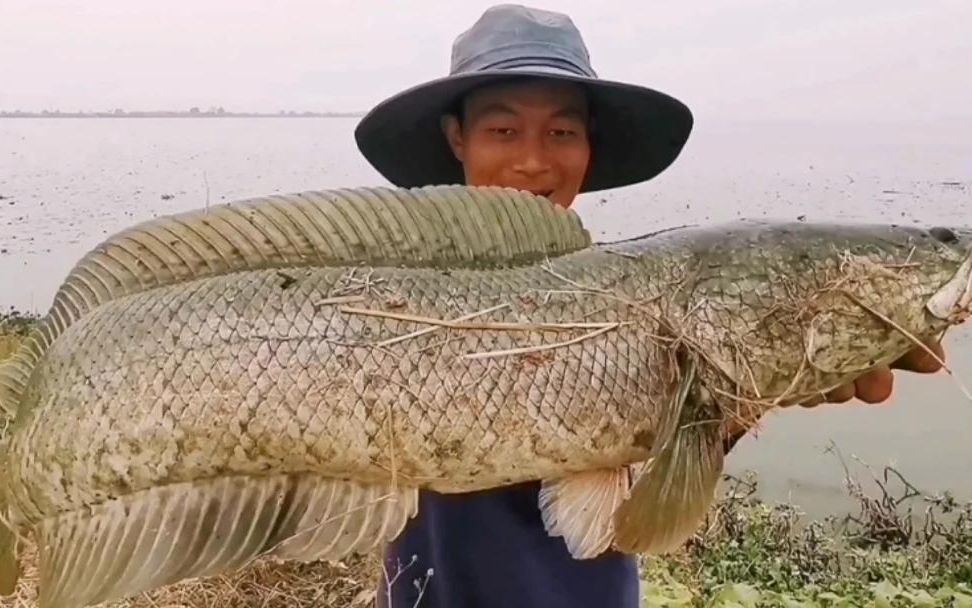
[205, 392]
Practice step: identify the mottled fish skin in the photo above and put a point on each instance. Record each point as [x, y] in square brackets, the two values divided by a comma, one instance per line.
[311, 369]
[794, 309]
[254, 373]
[242, 374]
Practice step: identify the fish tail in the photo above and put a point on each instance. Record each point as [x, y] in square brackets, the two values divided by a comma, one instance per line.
[9, 570]
[194, 529]
[16, 369]
[10, 376]
[15, 372]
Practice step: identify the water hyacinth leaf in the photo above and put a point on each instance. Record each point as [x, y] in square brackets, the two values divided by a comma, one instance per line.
[740, 594]
[659, 596]
[884, 593]
[791, 602]
[961, 600]
[920, 598]
[949, 596]
[832, 600]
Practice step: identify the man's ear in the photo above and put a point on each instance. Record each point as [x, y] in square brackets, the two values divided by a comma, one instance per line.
[453, 134]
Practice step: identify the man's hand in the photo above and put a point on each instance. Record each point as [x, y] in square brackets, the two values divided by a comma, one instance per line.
[876, 385]
[873, 387]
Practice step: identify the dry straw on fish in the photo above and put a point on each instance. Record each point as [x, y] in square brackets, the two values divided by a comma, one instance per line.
[465, 322]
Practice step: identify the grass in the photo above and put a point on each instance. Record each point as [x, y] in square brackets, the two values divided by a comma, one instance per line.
[264, 584]
[14, 326]
[901, 548]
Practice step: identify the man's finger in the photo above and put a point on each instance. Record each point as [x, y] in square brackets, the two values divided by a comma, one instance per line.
[921, 361]
[813, 401]
[842, 394]
[874, 386]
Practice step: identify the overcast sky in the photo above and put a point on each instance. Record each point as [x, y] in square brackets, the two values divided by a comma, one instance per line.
[895, 60]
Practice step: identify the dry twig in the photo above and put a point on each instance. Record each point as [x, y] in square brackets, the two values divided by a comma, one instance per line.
[486, 325]
[541, 347]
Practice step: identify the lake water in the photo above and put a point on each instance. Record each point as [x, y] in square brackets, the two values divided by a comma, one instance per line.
[68, 183]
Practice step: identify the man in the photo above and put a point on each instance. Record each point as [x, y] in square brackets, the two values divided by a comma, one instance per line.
[523, 108]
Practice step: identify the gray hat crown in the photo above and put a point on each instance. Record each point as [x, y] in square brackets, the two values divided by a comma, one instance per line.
[514, 36]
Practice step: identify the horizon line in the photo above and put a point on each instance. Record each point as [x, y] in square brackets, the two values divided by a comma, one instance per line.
[193, 113]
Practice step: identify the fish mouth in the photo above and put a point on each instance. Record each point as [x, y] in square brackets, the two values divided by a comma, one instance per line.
[953, 302]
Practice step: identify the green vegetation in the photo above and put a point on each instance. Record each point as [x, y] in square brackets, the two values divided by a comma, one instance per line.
[15, 323]
[13, 327]
[900, 548]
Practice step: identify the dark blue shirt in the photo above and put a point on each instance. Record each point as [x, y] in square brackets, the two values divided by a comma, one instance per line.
[490, 548]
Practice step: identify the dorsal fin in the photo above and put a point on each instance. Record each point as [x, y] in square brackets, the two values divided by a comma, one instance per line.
[441, 226]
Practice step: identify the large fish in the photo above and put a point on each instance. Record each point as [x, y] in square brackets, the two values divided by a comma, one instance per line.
[279, 376]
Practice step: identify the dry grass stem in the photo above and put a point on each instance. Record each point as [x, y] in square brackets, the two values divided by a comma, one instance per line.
[427, 330]
[913, 339]
[542, 347]
[338, 300]
[740, 357]
[549, 269]
[455, 324]
[793, 383]
[392, 454]
[607, 294]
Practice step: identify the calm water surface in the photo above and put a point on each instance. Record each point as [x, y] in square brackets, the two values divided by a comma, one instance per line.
[67, 184]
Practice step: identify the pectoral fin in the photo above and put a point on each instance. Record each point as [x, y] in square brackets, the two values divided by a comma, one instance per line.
[672, 496]
[580, 508]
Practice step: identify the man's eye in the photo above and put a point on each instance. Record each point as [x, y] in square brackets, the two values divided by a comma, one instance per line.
[563, 132]
[502, 130]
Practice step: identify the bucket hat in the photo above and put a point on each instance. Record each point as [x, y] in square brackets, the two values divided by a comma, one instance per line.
[638, 131]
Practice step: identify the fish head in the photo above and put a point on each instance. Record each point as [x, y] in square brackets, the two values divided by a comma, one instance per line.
[784, 312]
[953, 301]
[898, 286]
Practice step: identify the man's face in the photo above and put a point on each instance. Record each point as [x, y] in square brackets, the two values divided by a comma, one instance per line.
[530, 136]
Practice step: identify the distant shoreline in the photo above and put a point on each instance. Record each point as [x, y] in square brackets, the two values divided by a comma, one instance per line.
[174, 114]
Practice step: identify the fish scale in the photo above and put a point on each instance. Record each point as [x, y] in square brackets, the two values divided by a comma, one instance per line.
[294, 348]
[251, 352]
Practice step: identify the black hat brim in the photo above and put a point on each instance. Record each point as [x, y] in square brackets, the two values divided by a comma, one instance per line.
[638, 131]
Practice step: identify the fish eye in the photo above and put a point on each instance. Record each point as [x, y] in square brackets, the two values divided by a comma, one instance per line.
[943, 234]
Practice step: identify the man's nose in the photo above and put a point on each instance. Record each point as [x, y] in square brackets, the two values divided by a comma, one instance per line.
[532, 159]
